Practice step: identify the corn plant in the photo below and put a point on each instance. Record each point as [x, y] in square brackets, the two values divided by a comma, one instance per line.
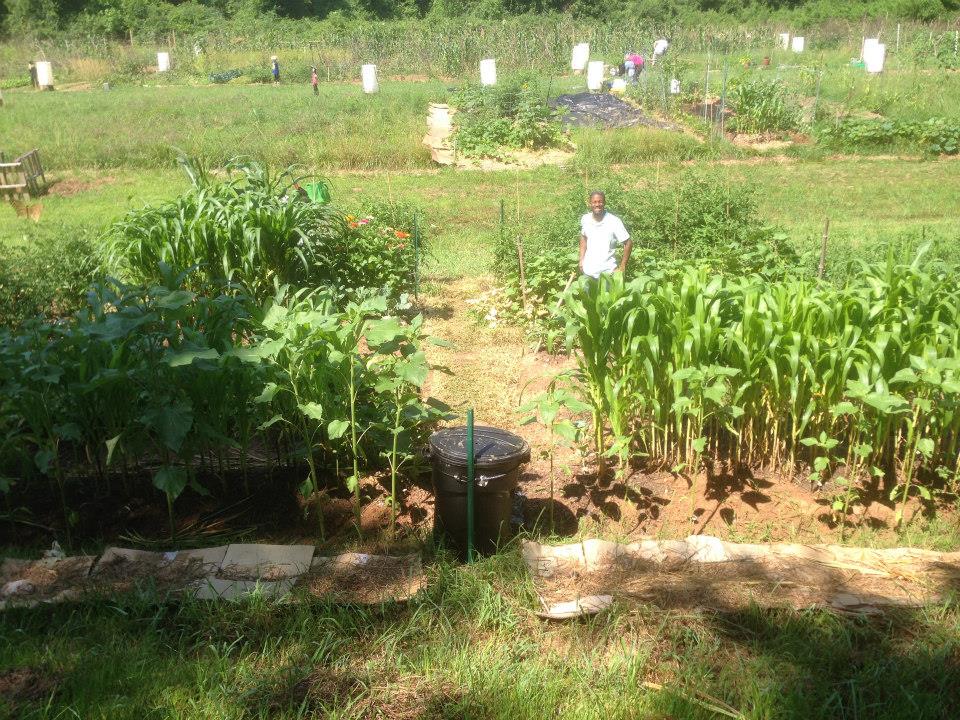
[755, 372]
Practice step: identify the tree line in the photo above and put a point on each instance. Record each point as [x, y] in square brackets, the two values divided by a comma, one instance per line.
[159, 17]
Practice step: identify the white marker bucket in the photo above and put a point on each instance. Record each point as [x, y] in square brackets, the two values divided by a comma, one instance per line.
[163, 62]
[368, 75]
[874, 58]
[44, 74]
[440, 116]
[785, 40]
[595, 75]
[674, 87]
[868, 46]
[488, 72]
[798, 44]
[580, 56]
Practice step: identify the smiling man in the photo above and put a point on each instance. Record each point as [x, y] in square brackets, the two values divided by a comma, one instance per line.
[600, 233]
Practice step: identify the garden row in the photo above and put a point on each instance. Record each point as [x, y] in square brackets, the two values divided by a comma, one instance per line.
[256, 331]
[860, 382]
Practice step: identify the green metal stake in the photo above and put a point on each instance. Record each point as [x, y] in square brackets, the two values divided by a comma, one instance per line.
[470, 485]
[503, 217]
[416, 255]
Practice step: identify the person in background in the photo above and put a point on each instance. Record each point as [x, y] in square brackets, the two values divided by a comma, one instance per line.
[659, 50]
[600, 233]
[314, 80]
[275, 69]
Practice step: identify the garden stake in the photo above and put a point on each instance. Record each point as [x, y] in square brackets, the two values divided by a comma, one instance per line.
[416, 255]
[823, 249]
[470, 484]
[816, 98]
[723, 97]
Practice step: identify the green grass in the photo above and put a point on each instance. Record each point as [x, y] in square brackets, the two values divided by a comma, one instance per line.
[470, 647]
[139, 127]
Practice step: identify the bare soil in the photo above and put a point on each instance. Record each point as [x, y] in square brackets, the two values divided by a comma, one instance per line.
[69, 185]
[27, 684]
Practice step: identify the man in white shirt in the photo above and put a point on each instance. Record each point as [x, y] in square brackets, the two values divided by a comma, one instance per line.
[600, 233]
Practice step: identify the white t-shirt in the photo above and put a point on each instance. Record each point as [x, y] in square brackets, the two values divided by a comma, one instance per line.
[602, 237]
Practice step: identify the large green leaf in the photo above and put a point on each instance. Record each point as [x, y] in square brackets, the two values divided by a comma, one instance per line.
[170, 480]
[170, 423]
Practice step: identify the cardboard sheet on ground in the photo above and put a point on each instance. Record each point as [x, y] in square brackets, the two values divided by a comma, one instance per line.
[705, 572]
[364, 579]
[26, 583]
[221, 589]
[122, 569]
[265, 562]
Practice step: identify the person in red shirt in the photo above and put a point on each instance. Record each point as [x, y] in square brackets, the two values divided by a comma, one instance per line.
[314, 80]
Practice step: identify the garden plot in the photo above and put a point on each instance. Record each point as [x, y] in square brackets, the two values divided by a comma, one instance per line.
[706, 573]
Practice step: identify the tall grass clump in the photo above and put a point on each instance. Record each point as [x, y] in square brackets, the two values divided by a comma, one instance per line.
[761, 106]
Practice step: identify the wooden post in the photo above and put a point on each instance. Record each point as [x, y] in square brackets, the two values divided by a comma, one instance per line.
[823, 249]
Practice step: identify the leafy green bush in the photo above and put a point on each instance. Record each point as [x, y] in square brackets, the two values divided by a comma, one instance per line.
[49, 277]
[509, 115]
[937, 136]
[762, 105]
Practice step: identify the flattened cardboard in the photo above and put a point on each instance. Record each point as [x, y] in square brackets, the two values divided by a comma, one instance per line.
[27, 583]
[265, 562]
[359, 578]
[219, 589]
[120, 569]
[706, 572]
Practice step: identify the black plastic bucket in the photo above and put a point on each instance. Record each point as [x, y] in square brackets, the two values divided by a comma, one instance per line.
[498, 455]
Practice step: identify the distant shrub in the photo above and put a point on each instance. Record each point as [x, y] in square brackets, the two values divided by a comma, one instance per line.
[937, 136]
[762, 105]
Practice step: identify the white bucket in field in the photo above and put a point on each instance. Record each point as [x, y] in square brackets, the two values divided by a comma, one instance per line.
[595, 75]
[798, 44]
[368, 75]
[868, 45]
[785, 40]
[874, 58]
[440, 116]
[44, 74]
[674, 87]
[580, 57]
[163, 62]
[488, 72]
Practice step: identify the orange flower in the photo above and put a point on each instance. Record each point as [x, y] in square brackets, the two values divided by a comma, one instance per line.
[352, 224]
[400, 234]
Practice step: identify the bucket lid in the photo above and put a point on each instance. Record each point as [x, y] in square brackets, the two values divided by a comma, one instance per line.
[491, 446]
